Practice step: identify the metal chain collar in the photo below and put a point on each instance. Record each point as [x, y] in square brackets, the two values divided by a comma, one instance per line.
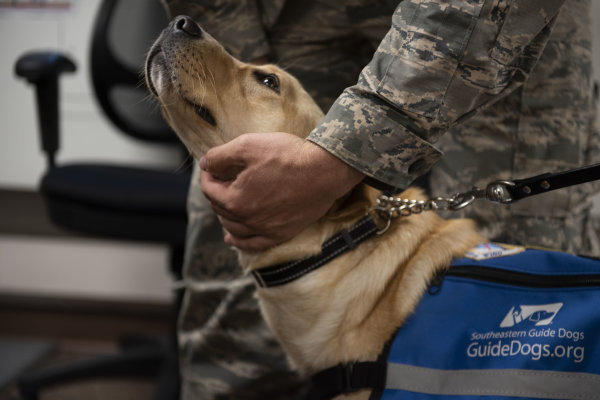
[389, 208]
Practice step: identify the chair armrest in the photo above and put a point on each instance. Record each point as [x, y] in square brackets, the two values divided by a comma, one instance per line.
[42, 69]
[37, 66]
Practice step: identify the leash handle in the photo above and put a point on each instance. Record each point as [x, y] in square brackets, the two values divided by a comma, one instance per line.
[547, 182]
[507, 192]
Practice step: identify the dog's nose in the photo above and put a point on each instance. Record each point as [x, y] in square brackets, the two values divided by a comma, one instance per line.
[187, 25]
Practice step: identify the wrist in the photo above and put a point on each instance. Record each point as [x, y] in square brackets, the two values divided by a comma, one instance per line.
[336, 176]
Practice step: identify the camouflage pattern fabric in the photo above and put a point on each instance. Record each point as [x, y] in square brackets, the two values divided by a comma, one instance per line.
[325, 44]
[241, 26]
[426, 76]
[476, 77]
[547, 125]
[507, 115]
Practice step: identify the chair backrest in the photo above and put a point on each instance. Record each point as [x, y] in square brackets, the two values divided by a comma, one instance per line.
[123, 33]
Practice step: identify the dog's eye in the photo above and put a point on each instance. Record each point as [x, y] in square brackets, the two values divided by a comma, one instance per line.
[269, 80]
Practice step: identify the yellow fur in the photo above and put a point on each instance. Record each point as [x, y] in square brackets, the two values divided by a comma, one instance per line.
[346, 310]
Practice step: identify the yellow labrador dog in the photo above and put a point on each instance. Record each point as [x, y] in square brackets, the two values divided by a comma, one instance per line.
[347, 309]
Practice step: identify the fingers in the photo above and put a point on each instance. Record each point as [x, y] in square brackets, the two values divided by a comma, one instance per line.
[224, 162]
[237, 229]
[237, 233]
[243, 237]
[223, 199]
[268, 187]
[252, 244]
[215, 190]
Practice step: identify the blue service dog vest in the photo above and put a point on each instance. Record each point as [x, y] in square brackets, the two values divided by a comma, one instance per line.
[503, 322]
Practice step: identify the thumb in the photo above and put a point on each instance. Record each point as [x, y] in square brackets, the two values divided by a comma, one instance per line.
[224, 162]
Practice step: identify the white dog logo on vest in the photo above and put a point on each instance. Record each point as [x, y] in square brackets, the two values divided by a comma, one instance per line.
[541, 314]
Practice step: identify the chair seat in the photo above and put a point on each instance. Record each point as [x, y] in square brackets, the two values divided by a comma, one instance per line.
[118, 202]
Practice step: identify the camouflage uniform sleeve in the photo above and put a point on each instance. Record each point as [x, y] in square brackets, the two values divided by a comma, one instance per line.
[441, 62]
[236, 24]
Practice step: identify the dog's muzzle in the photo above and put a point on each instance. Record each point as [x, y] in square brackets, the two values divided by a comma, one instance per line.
[181, 27]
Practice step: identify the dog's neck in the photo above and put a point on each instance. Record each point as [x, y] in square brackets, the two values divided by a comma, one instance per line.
[342, 311]
[343, 214]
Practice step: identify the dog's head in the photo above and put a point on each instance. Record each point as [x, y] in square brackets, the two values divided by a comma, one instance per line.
[209, 97]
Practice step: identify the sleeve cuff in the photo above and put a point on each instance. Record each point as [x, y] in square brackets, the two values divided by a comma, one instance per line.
[369, 135]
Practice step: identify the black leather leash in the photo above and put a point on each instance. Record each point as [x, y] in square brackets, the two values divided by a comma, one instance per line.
[387, 208]
[547, 182]
[507, 192]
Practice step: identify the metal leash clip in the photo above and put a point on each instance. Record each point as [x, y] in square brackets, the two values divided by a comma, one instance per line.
[501, 191]
[388, 208]
[496, 192]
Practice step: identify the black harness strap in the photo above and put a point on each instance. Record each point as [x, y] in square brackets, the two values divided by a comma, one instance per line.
[551, 181]
[347, 378]
[281, 274]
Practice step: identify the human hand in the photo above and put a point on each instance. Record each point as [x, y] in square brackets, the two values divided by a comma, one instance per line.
[267, 187]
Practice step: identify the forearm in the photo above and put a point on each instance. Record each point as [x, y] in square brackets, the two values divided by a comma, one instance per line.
[439, 64]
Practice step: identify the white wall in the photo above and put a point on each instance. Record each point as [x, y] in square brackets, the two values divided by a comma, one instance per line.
[98, 269]
[85, 133]
[82, 268]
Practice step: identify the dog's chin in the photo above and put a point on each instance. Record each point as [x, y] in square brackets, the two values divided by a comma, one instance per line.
[195, 148]
[197, 136]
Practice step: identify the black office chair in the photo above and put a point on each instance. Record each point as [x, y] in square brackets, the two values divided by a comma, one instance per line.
[109, 201]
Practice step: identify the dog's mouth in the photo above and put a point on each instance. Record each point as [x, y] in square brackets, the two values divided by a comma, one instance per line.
[203, 113]
[153, 53]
